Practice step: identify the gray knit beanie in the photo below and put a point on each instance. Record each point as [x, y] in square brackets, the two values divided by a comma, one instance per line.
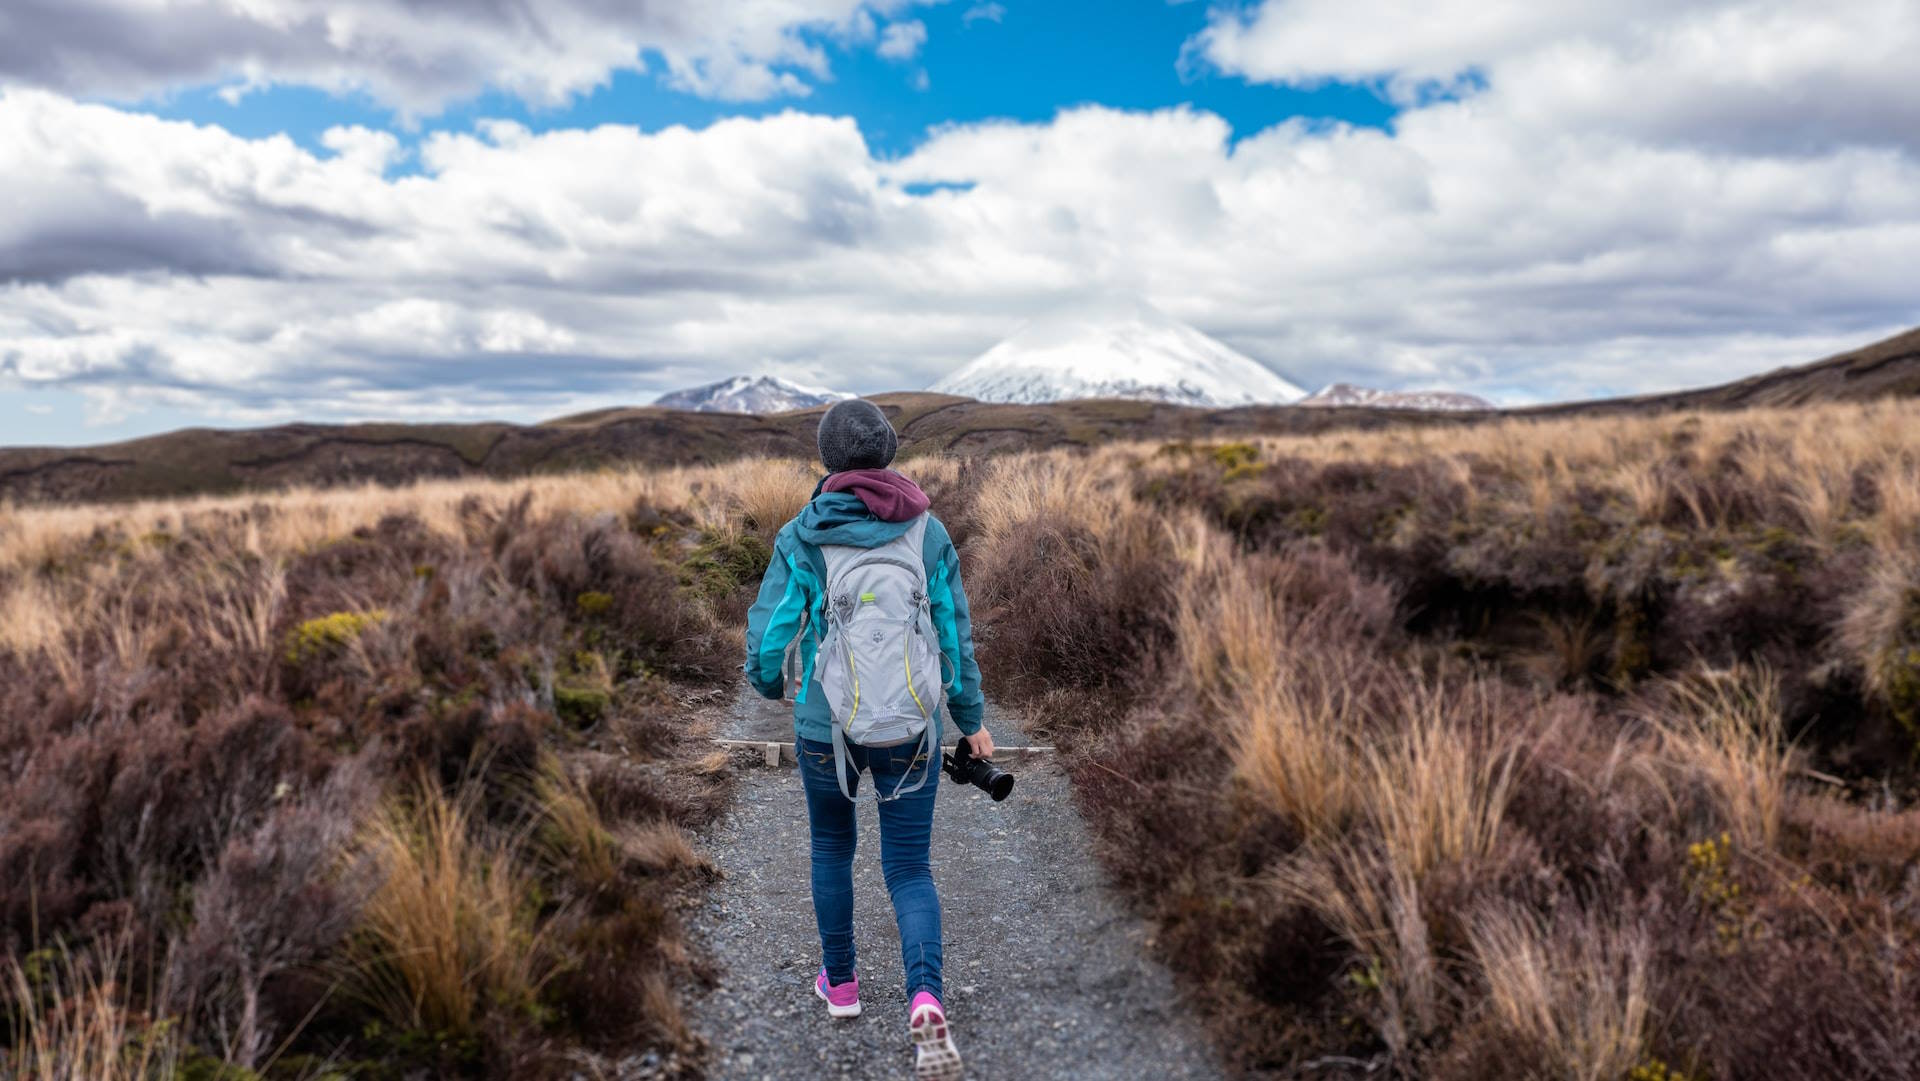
[855, 435]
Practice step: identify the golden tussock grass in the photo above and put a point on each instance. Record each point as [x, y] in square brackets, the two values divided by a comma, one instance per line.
[768, 494]
[1437, 788]
[1724, 729]
[659, 847]
[1232, 632]
[570, 831]
[1884, 622]
[449, 932]
[72, 1019]
[1293, 745]
[1575, 994]
[31, 617]
[1374, 905]
[1058, 487]
[1302, 727]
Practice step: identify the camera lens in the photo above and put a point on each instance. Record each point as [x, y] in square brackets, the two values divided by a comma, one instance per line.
[999, 785]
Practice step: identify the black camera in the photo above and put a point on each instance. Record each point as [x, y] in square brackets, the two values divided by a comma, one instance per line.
[979, 772]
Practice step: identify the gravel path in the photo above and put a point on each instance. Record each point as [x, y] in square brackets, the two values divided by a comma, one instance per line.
[1045, 973]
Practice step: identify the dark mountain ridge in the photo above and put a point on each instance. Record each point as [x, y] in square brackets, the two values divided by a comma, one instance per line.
[207, 461]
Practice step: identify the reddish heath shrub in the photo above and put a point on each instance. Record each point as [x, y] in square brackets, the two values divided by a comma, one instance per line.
[127, 810]
[603, 575]
[278, 902]
[1084, 614]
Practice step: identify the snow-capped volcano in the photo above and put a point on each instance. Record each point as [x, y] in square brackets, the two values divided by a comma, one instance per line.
[1124, 349]
[1445, 401]
[747, 394]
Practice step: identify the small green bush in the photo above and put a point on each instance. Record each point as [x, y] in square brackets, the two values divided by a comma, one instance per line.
[1237, 460]
[323, 636]
[1900, 671]
[583, 695]
[1654, 1069]
[721, 564]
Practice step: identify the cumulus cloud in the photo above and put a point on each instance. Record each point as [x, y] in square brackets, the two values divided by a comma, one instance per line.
[419, 55]
[902, 41]
[1479, 244]
[1734, 74]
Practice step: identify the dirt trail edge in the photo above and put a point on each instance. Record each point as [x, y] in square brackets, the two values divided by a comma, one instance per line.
[1045, 972]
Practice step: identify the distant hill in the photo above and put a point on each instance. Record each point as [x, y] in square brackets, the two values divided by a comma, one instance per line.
[200, 460]
[1885, 369]
[746, 394]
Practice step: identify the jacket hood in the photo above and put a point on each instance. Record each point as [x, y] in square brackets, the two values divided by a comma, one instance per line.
[889, 495]
[841, 518]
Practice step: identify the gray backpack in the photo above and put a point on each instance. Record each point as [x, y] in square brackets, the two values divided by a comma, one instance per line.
[880, 661]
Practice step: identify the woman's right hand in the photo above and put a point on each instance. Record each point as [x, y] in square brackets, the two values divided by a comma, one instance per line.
[980, 743]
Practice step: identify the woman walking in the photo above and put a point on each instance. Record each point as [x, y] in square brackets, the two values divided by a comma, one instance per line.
[862, 584]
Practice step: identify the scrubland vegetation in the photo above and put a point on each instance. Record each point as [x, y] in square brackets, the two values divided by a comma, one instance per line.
[367, 782]
[1569, 749]
[1574, 748]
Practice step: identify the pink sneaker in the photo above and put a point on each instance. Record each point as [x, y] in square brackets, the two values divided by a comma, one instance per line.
[934, 1056]
[843, 1000]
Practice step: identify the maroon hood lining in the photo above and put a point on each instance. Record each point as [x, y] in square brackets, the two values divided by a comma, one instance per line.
[890, 496]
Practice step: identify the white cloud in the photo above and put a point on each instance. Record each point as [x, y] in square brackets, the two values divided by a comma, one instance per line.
[991, 12]
[1767, 74]
[419, 55]
[902, 41]
[1512, 241]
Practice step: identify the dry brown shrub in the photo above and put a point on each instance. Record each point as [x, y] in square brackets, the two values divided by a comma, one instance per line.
[279, 902]
[1091, 583]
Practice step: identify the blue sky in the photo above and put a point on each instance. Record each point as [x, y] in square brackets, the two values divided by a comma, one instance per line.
[1014, 60]
[233, 214]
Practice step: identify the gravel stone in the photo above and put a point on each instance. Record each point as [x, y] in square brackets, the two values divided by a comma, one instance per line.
[1046, 973]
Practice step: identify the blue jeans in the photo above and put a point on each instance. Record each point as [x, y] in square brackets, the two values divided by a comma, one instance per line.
[906, 838]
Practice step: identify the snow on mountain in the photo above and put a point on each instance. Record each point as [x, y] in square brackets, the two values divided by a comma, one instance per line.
[747, 394]
[1112, 349]
[1346, 394]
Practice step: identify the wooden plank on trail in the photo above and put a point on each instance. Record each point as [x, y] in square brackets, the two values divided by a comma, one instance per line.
[775, 752]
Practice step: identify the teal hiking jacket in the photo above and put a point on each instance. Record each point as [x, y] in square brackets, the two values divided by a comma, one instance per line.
[795, 588]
